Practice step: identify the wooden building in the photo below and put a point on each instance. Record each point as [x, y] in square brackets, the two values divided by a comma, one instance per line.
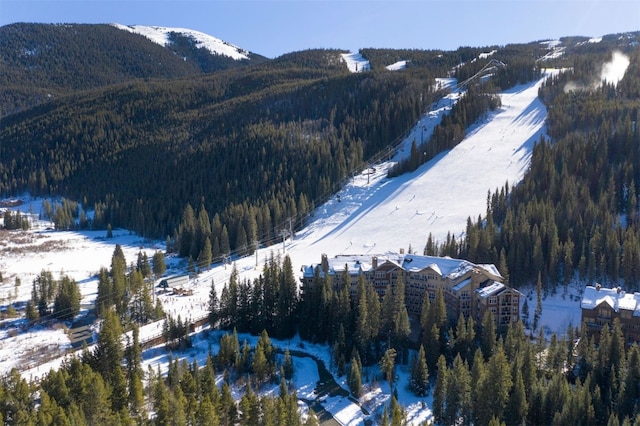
[469, 289]
[601, 306]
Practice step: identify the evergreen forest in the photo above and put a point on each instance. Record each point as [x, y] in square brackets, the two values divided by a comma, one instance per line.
[219, 159]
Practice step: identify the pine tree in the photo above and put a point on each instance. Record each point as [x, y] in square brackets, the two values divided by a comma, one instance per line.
[107, 358]
[488, 335]
[525, 313]
[104, 299]
[494, 388]
[355, 378]
[119, 280]
[419, 381]
[259, 364]
[538, 311]
[287, 365]
[159, 266]
[229, 302]
[362, 336]
[135, 376]
[287, 301]
[67, 302]
[432, 343]
[458, 397]
[214, 306]
[440, 391]
[205, 256]
[516, 410]
[142, 264]
[387, 366]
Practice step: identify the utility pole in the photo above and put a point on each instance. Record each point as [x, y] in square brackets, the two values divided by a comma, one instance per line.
[256, 244]
[284, 233]
[291, 228]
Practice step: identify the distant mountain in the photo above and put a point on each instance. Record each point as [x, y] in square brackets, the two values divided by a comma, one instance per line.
[45, 61]
[167, 37]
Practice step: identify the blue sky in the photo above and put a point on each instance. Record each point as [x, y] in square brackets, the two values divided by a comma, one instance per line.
[275, 27]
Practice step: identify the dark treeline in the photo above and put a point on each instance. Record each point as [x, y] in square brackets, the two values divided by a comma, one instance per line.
[262, 146]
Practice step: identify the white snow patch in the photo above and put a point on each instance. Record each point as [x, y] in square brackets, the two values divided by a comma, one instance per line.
[356, 62]
[487, 54]
[160, 35]
[400, 65]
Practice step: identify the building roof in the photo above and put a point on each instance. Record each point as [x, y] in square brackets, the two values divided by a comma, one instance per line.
[616, 298]
[445, 267]
[494, 289]
[491, 289]
[461, 285]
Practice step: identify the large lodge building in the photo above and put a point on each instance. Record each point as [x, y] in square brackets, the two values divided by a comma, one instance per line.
[600, 306]
[468, 289]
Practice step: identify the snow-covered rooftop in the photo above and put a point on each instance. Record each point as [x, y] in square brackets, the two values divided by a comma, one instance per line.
[443, 266]
[616, 298]
[491, 289]
[461, 285]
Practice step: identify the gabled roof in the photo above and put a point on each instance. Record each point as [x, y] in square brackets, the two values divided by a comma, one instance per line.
[615, 298]
[494, 289]
[445, 267]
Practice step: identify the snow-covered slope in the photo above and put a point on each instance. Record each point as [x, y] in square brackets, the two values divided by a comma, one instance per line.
[400, 65]
[373, 214]
[161, 35]
[356, 62]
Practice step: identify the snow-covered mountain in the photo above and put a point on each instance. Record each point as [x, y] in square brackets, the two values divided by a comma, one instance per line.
[162, 36]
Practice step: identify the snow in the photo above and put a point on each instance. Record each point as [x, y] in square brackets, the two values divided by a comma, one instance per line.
[555, 49]
[438, 197]
[614, 297]
[356, 62]
[160, 35]
[485, 55]
[371, 214]
[400, 65]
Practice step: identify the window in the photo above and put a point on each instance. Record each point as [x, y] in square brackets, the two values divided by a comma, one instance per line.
[493, 300]
[604, 312]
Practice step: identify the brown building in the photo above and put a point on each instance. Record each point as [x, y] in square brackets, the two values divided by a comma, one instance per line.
[600, 306]
[468, 288]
